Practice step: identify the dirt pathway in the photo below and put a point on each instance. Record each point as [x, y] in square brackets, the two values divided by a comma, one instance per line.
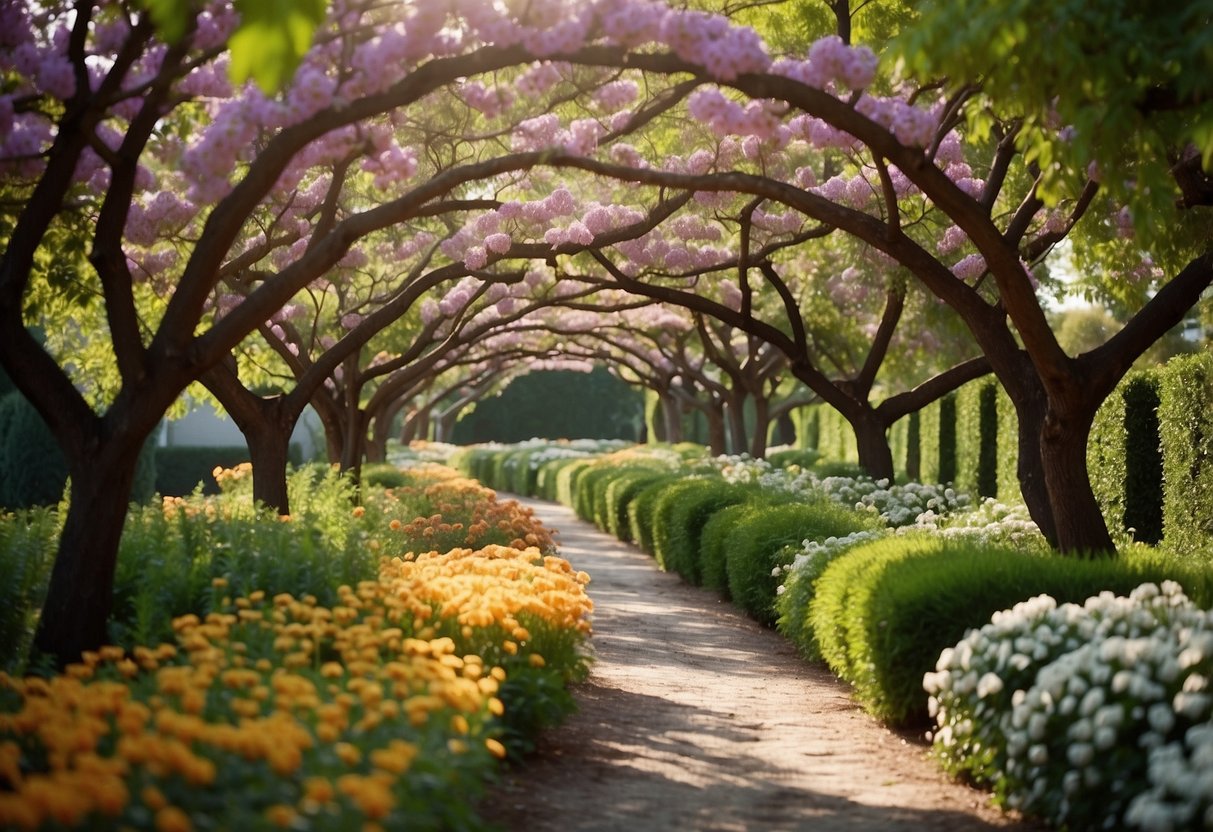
[697, 718]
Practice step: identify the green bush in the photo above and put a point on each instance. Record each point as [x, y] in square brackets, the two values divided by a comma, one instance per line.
[28, 542]
[912, 463]
[640, 513]
[383, 475]
[1124, 458]
[760, 540]
[566, 480]
[584, 488]
[977, 438]
[679, 518]
[713, 544]
[1008, 450]
[1185, 419]
[620, 493]
[884, 611]
[547, 477]
[33, 471]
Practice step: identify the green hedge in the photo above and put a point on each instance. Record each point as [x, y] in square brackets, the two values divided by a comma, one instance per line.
[620, 493]
[1124, 458]
[679, 518]
[937, 440]
[977, 438]
[808, 427]
[640, 512]
[793, 456]
[1185, 419]
[566, 480]
[1008, 450]
[884, 611]
[714, 541]
[759, 542]
[836, 437]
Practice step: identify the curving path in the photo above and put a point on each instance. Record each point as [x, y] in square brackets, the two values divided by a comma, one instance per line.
[697, 718]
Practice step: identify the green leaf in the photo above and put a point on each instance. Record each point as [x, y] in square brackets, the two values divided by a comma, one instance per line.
[272, 39]
[170, 16]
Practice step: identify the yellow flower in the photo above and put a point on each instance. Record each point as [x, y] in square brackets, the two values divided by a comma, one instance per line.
[153, 798]
[281, 815]
[318, 789]
[172, 819]
[495, 748]
[536, 660]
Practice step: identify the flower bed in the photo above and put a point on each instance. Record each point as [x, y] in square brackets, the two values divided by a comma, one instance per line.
[386, 708]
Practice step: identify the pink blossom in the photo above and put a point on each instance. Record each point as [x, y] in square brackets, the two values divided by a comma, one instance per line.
[429, 311]
[615, 95]
[476, 257]
[970, 267]
[499, 243]
[952, 239]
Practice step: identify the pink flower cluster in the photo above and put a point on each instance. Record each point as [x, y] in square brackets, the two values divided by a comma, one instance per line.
[727, 117]
[912, 127]
[616, 95]
[543, 132]
[714, 43]
[165, 213]
[970, 267]
[391, 165]
[492, 102]
[953, 239]
[854, 191]
[786, 222]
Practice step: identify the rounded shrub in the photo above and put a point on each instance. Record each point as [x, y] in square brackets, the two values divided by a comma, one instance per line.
[640, 513]
[384, 475]
[566, 480]
[794, 456]
[713, 544]
[620, 493]
[679, 519]
[767, 538]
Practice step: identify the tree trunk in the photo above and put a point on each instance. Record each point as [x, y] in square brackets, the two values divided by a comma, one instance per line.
[762, 424]
[269, 450]
[422, 422]
[735, 410]
[872, 443]
[717, 441]
[79, 597]
[1080, 528]
[1030, 411]
[671, 419]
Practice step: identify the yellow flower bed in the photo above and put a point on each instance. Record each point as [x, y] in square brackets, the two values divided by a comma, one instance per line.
[379, 711]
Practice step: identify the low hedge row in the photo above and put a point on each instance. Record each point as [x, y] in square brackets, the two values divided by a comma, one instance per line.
[884, 611]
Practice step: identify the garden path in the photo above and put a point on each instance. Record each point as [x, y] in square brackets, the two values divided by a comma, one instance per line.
[695, 717]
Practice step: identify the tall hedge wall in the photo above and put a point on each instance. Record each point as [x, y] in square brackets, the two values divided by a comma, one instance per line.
[937, 440]
[977, 438]
[1124, 458]
[1185, 419]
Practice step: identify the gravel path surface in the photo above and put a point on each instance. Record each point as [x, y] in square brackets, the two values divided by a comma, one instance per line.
[697, 718]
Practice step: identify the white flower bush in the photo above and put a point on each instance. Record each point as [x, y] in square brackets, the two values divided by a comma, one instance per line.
[1093, 716]
[813, 556]
[899, 505]
[990, 522]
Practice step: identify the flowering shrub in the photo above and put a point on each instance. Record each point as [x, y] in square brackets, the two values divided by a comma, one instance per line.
[990, 522]
[899, 505]
[1093, 716]
[383, 709]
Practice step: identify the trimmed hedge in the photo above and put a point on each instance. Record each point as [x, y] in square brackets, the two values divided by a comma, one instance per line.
[1185, 420]
[640, 512]
[977, 438]
[1124, 458]
[884, 611]
[679, 518]
[760, 541]
[620, 493]
[793, 456]
[937, 440]
[713, 545]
